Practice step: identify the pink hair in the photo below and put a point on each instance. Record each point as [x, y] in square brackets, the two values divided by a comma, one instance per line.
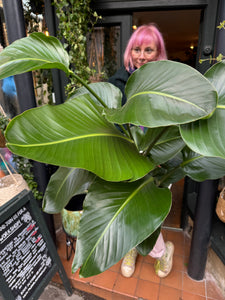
[144, 34]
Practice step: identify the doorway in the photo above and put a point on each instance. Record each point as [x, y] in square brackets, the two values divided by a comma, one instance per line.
[180, 29]
[186, 31]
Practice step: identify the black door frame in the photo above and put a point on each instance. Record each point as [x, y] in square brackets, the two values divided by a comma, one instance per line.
[207, 30]
[125, 23]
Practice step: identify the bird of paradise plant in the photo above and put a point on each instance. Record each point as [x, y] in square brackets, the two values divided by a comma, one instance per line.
[102, 151]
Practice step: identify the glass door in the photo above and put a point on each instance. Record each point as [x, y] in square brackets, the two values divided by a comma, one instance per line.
[106, 45]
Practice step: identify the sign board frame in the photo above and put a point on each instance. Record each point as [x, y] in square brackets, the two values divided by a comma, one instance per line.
[10, 211]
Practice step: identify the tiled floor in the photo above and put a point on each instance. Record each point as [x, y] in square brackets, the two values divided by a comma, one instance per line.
[144, 284]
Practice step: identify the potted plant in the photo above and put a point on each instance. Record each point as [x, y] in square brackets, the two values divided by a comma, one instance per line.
[124, 170]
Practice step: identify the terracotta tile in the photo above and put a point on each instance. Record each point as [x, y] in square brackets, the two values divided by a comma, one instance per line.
[126, 286]
[144, 284]
[169, 293]
[56, 278]
[177, 237]
[196, 287]
[122, 297]
[76, 277]
[83, 286]
[189, 296]
[186, 261]
[140, 258]
[116, 267]
[105, 280]
[179, 249]
[148, 273]
[147, 290]
[174, 280]
[60, 235]
[148, 259]
[138, 267]
[213, 291]
[164, 233]
[178, 263]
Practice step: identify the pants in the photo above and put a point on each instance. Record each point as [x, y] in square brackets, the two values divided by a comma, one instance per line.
[159, 247]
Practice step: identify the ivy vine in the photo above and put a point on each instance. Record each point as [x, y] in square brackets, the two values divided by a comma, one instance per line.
[23, 165]
[219, 57]
[76, 19]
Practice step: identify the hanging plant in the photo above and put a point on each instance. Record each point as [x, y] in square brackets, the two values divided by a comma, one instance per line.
[76, 19]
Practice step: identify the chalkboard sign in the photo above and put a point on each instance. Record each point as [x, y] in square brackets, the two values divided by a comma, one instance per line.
[28, 258]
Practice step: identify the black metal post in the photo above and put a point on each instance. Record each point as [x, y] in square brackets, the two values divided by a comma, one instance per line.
[204, 211]
[14, 18]
[59, 77]
[205, 206]
[15, 25]
[220, 33]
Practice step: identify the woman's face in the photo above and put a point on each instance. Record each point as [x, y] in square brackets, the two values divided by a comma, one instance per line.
[143, 54]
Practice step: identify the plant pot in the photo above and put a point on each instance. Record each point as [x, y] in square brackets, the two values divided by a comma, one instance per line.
[71, 215]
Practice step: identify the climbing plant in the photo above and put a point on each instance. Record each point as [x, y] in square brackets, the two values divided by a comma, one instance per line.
[220, 56]
[76, 19]
[22, 164]
[34, 22]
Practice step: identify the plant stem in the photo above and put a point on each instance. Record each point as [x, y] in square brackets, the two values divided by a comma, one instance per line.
[123, 130]
[155, 140]
[129, 131]
[88, 88]
[98, 98]
[167, 175]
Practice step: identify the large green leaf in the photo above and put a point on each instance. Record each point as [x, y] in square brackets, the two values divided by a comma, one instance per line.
[148, 244]
[116, 218]
[216, 76]
[165, 93]
[63, 185]
[169, 172]
[36, 51]
[201, 168]
[110, 94]
[161, 144]
[207, 137]
[75, 134]
[168, 143]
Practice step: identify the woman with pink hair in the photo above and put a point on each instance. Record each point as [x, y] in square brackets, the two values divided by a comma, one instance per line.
[145, 45]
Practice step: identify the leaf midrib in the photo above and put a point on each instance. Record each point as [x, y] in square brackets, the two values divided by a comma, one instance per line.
[168, 96]
[70, 139]
[32, 59]
[116, 214]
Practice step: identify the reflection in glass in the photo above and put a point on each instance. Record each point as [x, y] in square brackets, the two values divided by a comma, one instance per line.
[103, 47]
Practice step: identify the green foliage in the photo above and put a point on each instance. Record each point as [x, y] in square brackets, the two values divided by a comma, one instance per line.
[4, 121]
[25, 168]
[219, 57]
[76, 19]
[103, 152]
[23, 165]
[222, 25]
[34, 24]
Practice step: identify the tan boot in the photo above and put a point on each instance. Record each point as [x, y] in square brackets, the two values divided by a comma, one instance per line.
[163, 265]
[128, 264]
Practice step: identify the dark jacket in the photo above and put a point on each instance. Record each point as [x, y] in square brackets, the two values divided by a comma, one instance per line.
[119, 79]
